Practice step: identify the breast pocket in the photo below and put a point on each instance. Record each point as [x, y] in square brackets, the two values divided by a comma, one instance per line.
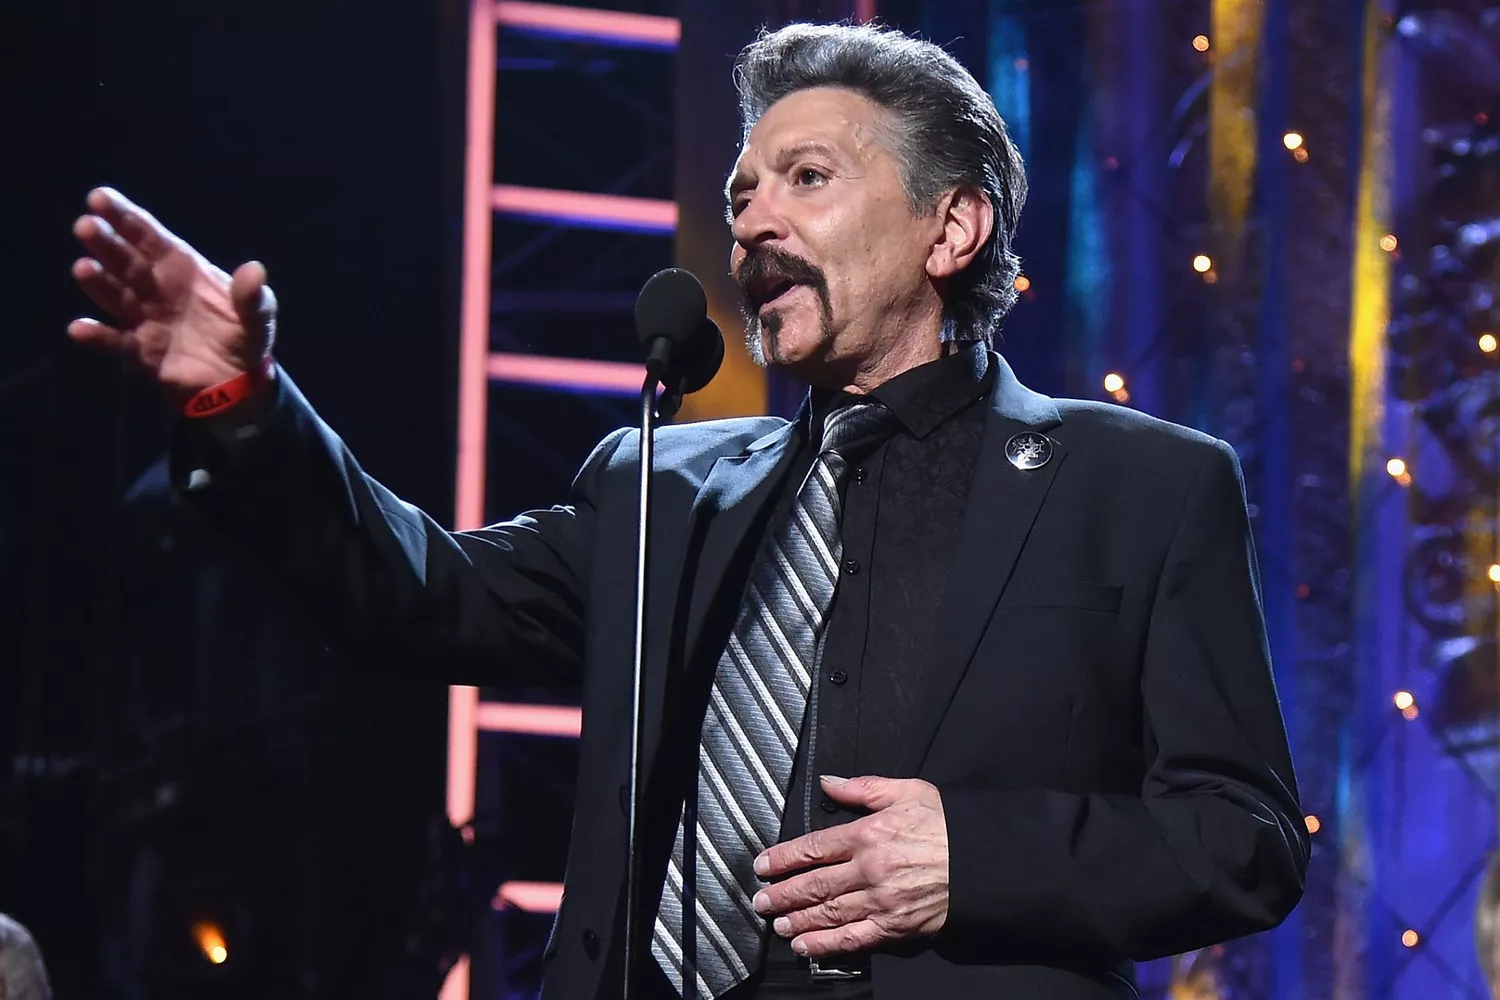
[1076, 595]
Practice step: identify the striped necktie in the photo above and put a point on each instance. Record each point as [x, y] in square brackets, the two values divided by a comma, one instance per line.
[708, 937]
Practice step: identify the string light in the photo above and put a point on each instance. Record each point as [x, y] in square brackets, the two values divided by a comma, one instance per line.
[1300, 154]
[1022, 283]
[1487, 343]
[1410, 938]
[1313, 824]
[1114, 382]
[1404, 700]
[211, 942]
[1292, 141]
[1396, 467]
[1494, 573]
[1203, 263]
[1200, 42]
[1388, 243]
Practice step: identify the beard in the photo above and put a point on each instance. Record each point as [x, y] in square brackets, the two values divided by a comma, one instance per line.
[764, 264]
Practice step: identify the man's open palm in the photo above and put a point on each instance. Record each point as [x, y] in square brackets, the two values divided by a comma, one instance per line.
[171, 311]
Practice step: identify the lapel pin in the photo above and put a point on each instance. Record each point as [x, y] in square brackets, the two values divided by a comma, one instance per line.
[1029, 450]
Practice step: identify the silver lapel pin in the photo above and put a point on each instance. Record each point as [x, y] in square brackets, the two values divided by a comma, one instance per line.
[1029, 450]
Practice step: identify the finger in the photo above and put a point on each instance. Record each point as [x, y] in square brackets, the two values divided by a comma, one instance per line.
[862, 935]
[133, 223]
[105, 245]
[849, 908]
[107, 291]
[870, 791]
[821, 847]
[102, 337]
[810, 888]
[254, 301]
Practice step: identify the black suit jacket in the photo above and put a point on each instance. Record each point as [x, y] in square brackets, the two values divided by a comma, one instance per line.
[1101, 721]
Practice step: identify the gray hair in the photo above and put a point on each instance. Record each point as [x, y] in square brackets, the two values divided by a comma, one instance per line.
[947, 134]
[22, 975]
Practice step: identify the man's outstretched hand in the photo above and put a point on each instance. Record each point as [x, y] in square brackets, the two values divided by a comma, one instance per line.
[878, 880]
[170, 311]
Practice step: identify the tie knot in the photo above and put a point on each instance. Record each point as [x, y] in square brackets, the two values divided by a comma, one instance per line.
[855, 428]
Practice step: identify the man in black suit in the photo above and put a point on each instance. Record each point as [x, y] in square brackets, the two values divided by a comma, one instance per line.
[954, 690]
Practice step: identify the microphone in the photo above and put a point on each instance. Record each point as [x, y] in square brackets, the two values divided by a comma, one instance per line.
[684, 347]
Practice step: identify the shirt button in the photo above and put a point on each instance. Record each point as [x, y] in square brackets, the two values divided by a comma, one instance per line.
[829, 805]
[590, 943]
[851, 566]
[860, 475]
[837, 676]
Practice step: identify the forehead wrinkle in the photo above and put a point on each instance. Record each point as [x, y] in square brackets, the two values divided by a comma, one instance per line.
[866, 139]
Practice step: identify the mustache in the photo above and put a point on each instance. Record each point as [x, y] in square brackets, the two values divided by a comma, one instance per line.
[768, 265]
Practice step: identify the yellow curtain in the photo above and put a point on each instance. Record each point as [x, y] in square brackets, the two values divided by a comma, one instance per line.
[1237, 26]
[1370, 311]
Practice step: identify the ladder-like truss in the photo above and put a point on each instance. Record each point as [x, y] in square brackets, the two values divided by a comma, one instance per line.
[479, 366]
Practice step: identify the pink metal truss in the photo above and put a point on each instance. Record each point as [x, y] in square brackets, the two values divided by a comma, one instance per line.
[575, 374]
[533, 897]
[577, 208]
[478, 367]
[529, 720]
[607, 26]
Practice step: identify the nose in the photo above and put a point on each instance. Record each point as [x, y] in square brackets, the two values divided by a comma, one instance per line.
[759, 222]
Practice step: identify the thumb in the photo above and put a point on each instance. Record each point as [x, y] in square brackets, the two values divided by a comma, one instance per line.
[255, 304]
[871, 791]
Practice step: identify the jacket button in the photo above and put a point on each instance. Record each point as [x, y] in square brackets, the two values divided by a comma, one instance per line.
[590, 943]
[829, 805]
[860, 475]
[837, 676]
[851, 566]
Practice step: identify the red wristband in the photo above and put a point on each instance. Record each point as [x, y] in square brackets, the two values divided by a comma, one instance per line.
[218, 398]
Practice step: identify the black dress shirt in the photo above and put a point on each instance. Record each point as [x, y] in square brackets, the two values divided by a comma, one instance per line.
[903, 506]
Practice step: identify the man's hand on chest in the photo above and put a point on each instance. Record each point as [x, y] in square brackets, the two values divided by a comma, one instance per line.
[880, 879]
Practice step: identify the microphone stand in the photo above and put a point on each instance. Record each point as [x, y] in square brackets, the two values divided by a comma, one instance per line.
[652, 409]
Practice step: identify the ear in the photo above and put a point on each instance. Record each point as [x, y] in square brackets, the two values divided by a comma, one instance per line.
[968, 220]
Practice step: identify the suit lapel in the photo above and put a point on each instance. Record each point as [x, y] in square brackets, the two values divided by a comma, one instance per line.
[1002, 506]
[734, 493]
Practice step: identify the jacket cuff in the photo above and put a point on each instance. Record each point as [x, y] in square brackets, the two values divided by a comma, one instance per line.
[205, 448]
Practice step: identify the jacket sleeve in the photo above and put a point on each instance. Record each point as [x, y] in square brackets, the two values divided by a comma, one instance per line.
[1214, 846]
[383, 581]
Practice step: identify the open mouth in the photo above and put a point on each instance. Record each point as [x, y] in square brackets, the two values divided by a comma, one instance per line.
[769, 292]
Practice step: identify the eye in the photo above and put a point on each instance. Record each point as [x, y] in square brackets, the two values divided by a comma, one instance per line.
[809, 177]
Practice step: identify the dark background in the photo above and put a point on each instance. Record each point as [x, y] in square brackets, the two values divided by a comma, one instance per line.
[173, 745]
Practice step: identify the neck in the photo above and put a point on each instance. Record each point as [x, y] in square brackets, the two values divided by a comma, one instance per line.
[912, 337]
[905, 354]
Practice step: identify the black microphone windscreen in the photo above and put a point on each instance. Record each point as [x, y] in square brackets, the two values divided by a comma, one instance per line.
[703, 357]
[672, 305]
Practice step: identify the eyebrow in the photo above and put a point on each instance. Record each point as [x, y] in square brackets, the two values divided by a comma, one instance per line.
[737, 182]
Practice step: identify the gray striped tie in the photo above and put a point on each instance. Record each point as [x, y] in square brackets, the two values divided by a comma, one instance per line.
[751, 728]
